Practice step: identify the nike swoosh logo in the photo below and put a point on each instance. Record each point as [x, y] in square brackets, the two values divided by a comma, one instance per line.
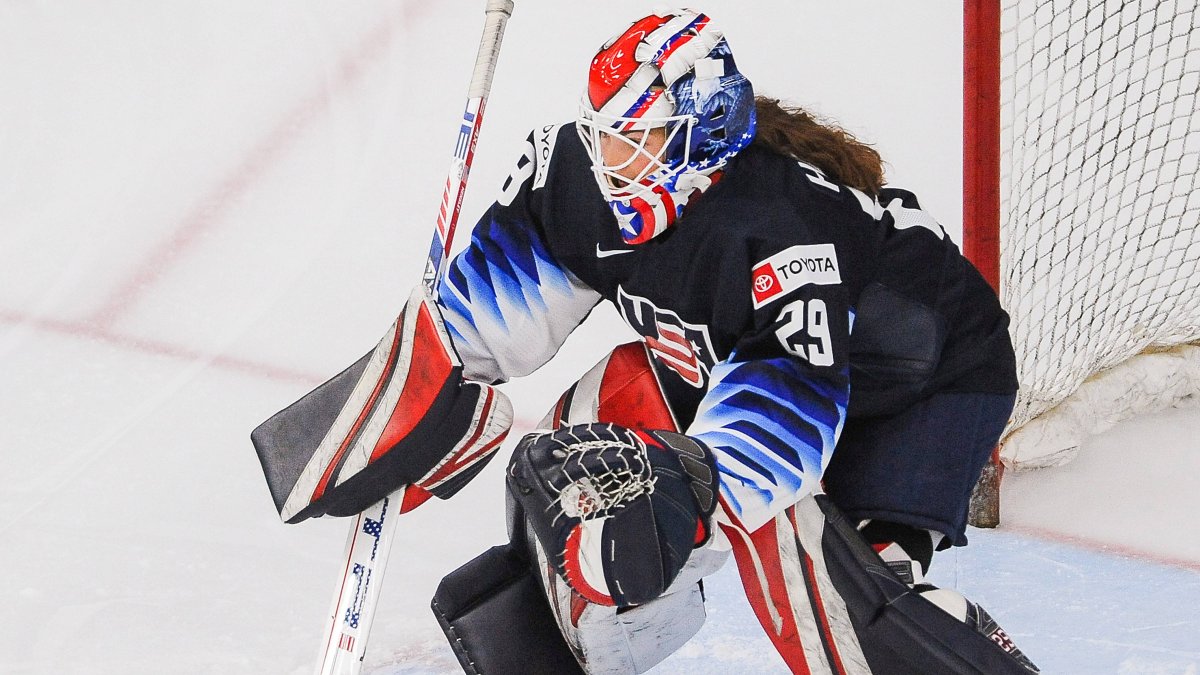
[600, 253]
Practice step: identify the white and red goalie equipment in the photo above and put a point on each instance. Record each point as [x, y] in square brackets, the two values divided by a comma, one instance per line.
[401, 415]
[827, 601]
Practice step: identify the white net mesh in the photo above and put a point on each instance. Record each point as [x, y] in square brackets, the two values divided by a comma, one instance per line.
[1100, 187]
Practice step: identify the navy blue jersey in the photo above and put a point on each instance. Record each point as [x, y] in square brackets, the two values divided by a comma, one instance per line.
[779, 304]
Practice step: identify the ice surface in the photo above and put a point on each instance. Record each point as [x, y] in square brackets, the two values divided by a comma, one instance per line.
[208, 208]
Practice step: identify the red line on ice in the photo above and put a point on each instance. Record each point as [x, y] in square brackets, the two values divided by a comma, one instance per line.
[266, 371]
[215, 204]
[85, 330]
[1101, 546]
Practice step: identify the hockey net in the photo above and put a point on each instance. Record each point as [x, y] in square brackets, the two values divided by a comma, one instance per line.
[1099, 241]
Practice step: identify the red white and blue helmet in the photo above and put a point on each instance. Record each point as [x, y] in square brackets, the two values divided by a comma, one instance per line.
[671, 70]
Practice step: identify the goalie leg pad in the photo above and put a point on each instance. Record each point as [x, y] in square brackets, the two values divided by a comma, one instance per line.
[609, 640]
[831, 605]
[401, 415]
[622, 388]
[497, 621]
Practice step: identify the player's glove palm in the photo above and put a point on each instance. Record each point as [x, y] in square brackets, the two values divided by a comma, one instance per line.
[616, 510]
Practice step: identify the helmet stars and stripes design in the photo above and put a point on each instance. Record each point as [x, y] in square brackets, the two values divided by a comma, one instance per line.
[641, 211]
[671, 71]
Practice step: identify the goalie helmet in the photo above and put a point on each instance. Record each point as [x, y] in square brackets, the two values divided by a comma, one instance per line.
[667, 91]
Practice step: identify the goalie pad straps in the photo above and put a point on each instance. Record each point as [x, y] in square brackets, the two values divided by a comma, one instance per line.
[401, 415]
[830, 605]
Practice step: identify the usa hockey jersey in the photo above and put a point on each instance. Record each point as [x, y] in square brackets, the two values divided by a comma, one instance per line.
[778, 305]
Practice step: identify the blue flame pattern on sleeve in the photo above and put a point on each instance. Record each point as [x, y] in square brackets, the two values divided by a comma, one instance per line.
[772, 425]
[507, 303]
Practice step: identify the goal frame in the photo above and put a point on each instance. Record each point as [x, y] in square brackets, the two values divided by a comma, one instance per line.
[981, 190]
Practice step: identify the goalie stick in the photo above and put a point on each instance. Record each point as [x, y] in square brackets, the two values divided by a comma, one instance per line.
[353, 608]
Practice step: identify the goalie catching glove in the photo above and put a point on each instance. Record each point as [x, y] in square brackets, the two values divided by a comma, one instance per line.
[400, 416]
[618, 511]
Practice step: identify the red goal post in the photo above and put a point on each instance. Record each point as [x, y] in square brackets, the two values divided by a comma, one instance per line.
[1081, 205]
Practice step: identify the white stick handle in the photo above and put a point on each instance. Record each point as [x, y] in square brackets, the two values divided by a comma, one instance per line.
[370, 540]
[498, 12]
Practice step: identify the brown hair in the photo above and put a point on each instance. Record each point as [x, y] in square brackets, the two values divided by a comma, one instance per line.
[793, 132]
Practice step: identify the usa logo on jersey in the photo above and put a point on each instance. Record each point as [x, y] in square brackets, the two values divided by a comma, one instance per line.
[681, 346]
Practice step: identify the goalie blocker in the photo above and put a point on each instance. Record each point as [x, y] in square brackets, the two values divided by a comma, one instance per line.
[401, 415]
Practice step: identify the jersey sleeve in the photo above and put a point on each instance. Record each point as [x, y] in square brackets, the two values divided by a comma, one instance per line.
[507, 302]
[774, 409]
[773, 426]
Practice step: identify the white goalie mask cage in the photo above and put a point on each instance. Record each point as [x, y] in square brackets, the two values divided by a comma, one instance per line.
[628, 140]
